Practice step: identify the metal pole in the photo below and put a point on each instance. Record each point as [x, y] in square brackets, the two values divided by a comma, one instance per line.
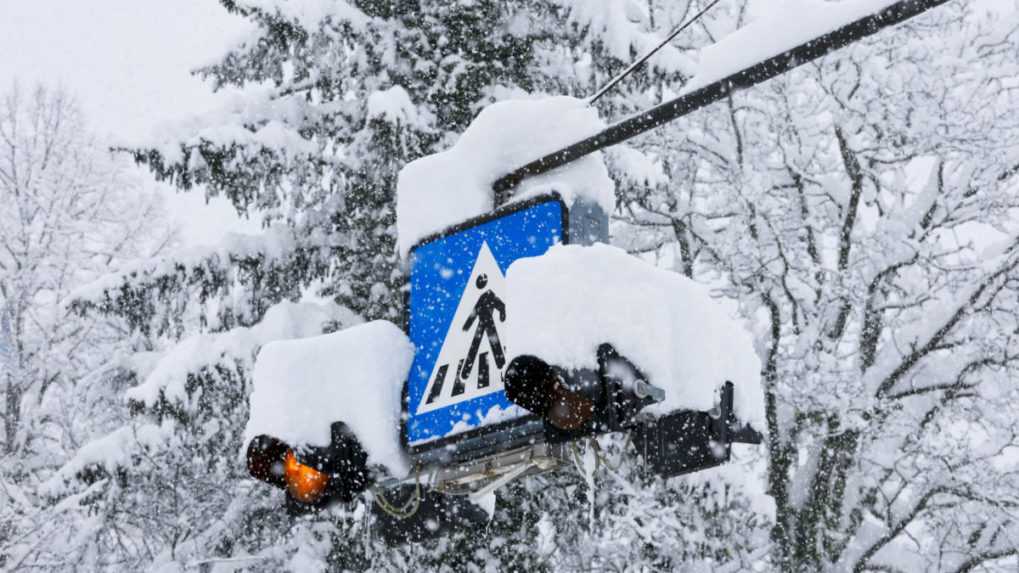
[686, 103]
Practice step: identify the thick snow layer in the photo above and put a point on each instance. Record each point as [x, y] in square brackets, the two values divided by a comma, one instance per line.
[571, 300]
[353, 376]
[440, 190]
[782, 26]
[285, 320]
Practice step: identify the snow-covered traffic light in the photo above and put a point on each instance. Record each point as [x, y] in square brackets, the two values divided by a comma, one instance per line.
[313, 477]
[575, 403]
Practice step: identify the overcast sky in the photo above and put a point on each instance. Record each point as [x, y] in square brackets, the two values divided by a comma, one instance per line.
[127, 62]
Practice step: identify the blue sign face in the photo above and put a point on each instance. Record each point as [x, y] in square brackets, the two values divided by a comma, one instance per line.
[456, 319]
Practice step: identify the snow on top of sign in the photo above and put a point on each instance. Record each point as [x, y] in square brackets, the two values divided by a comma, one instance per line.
[446, 188]
[353, 376]
[670, 327]
[782, 26]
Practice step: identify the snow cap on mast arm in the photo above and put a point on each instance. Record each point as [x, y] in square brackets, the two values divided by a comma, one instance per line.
[440, 190]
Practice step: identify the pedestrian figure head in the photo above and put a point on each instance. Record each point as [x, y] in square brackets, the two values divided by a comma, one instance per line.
[481, 281]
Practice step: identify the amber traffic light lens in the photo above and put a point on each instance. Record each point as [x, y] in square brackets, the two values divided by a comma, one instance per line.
[304, 483]
[537, 387]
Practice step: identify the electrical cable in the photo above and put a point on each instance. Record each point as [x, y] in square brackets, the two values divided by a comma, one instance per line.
[645, 57]
[409, 508]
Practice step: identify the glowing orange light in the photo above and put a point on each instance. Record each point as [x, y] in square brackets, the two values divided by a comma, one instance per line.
[305, 483]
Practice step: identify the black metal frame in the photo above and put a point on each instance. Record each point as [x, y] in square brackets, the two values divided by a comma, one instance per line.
[510, 425]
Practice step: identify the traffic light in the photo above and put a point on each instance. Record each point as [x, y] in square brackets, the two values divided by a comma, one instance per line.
[316, 477]
[576, 403]
[581, 402]
[313, 477]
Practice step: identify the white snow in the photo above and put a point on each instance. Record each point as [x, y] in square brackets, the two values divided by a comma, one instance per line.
[260, 118]
[168, 378]
[446, 188]
[110, 452]
[353, 376]
[274, 244]
[393, 104]
[784, 25]
[571, 300]
[620, 28]
[638, 168]
[492, 417]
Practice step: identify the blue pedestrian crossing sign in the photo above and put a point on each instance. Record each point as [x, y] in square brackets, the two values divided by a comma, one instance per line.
[456, 320]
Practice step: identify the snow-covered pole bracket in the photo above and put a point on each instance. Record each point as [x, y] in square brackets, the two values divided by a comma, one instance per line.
[891, 13]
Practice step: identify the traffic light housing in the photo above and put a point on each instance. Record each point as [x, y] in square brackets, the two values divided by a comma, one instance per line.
[577, 403]
[313, 477]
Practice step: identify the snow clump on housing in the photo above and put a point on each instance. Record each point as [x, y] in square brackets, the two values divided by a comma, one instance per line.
[670, 327]
[355, 376]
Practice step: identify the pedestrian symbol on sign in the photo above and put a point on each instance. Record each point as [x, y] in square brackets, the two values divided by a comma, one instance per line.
[473, 357]
[483, 310]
